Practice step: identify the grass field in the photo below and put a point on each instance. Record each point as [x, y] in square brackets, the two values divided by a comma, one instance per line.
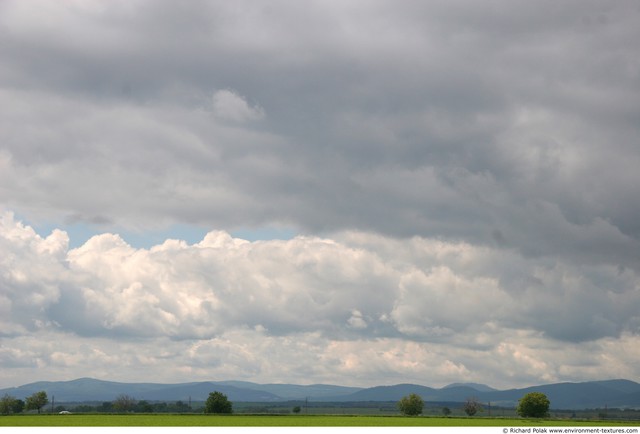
[169, 420]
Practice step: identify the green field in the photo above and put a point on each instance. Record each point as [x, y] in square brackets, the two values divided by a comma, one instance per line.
[280, 420]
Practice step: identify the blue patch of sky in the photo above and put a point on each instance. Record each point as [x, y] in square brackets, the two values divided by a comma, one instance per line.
[264, 233]
[147, 239]
[80, 232]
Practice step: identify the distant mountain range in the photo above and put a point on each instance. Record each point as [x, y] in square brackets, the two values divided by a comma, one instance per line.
[592, 394]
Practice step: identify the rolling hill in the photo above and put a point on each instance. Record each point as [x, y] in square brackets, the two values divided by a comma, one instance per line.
[593, 394]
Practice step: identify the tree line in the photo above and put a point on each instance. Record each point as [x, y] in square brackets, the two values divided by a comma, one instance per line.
[9, 404]
[122, 404]
[217, 402]
[534, 404]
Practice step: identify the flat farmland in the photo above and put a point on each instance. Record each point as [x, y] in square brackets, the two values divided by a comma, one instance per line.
[239, 420]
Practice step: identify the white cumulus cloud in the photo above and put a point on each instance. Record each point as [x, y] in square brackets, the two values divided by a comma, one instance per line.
[356, 305]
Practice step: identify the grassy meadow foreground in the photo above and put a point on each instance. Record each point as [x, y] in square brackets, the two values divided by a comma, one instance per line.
[282, 420]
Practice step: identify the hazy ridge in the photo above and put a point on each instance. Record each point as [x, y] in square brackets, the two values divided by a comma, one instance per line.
[592, 394]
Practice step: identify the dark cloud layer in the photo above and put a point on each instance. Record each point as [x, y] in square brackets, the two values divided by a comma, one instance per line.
[506, 126]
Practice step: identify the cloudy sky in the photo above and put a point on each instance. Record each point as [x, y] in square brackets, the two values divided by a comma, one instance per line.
[347, 192]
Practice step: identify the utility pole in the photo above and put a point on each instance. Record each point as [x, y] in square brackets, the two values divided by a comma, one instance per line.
[53, 400]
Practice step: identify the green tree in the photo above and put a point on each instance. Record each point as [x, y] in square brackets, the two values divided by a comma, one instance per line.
[7, 404]
[105, 407]
[124, 403]
[472, 406]
[18, 406]
[181, 407]
[534, 404]
[217, 402]
[446, 411]
[411, 405]
[37, 401]
[143, 407]
[297, 409]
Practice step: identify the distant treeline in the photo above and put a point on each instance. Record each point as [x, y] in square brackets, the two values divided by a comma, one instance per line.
[141, 406]
[453, 409]
[368, 408]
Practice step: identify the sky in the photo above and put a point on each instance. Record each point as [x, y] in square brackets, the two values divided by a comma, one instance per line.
[344, 192]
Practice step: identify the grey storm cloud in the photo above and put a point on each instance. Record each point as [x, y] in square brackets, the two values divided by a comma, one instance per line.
[464, 175]
[424, 119]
